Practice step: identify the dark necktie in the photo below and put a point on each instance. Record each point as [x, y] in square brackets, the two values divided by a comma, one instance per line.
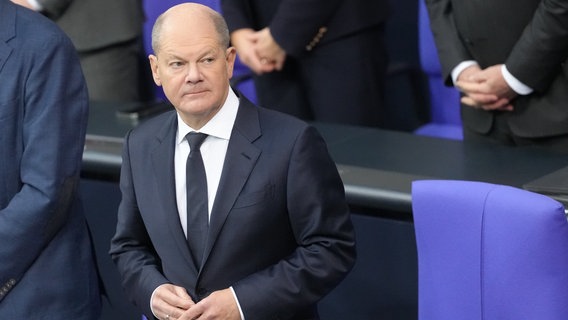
[197, 213]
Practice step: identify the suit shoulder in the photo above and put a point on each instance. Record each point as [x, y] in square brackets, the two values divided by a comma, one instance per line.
[29, 20]
[154, 124]
[34, 30]
[286, 127]
[275, 119]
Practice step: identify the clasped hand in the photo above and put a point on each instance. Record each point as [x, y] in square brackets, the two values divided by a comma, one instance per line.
[485, 89]
[172, 302]
[258, 50]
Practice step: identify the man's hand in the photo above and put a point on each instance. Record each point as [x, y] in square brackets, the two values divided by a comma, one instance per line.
[170, 302]
[267, 48]
[485, 89]
[219, 305]
[244, 41]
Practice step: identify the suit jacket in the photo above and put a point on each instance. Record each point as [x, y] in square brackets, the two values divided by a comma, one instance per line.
[530, 40]
[47, 269]
[298, 25]
[280, 232]
[95, 24]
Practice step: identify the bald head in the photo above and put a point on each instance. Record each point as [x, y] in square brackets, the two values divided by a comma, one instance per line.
[189, 17]
[192, 61]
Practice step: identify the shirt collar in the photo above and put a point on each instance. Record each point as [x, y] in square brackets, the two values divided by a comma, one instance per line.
[220, 126]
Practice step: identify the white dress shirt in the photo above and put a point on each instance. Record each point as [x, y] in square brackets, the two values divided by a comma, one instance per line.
[213, 151]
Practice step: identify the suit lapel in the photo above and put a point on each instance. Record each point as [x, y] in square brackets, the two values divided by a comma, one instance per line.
[7, 30]
[163, 168]
[239, 162]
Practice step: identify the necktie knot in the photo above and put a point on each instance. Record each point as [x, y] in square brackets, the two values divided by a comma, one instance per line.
[195, 139]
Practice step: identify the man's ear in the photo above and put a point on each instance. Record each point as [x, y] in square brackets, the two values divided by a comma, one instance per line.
[154, 66]
[230, 56]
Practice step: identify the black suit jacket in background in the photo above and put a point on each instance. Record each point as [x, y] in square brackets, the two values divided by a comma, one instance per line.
[295, 23]
[336, 57]
[529, 36]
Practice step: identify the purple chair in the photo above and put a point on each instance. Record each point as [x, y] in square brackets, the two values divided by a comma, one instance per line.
[445, 121]
[489, 251]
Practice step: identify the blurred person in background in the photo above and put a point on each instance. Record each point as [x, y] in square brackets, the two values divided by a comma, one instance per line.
[108, 37]
[510, 65]
[322, 60]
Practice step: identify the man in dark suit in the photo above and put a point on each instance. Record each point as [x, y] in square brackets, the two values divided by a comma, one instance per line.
[509, 60]
[279, 235]
[107, 35]
[48, 270]
[322, 60]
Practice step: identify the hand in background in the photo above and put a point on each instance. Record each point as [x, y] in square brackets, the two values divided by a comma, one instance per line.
[244, 41]
[485, 89]
[170, 300]
[267, 48]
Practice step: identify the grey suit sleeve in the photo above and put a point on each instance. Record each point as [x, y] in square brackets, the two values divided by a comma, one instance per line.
[537, 56]
[451, 49]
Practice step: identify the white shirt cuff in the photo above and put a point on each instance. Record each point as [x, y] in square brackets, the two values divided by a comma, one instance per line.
[238, 304]
[461, 67]
[514, 83]
[35, 5]
[152, 298]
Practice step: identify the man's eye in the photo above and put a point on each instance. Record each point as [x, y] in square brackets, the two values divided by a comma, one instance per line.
[176, 64]
[208, 60]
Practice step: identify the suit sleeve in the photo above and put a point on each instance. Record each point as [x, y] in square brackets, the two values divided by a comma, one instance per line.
[537, 57]
[48, 156]
[451, 49]
[131, 248]
[294, 25]
[321, 224]
[297, 22]
[237, 13]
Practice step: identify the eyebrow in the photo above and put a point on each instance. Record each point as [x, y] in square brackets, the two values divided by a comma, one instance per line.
[174, 56]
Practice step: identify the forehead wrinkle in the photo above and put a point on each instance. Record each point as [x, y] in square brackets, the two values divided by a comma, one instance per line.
[174, 52]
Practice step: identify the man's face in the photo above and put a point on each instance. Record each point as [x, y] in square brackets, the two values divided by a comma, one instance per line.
[194, 71]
